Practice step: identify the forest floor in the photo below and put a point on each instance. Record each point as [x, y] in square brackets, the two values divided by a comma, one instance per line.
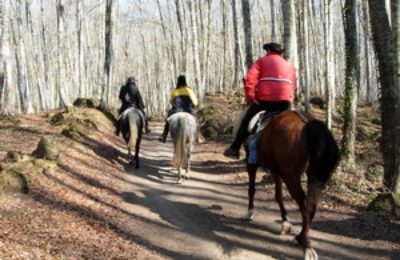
[94, 205]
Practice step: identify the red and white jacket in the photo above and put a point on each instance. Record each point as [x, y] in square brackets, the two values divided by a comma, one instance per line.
[270, 78]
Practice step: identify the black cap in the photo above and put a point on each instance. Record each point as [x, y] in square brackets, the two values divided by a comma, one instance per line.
[272, 46]
[131, 80]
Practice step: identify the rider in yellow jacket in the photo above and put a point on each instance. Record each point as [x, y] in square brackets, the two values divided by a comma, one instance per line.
[182, 99]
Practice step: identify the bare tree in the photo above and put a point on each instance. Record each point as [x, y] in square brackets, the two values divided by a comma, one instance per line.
[350, 102]
[60, 53]
[247, 32]
[237, 45]
[328, 45]
[109, 51]
[383, 41]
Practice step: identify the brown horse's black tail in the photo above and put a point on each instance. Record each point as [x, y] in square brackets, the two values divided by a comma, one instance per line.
[323, 151]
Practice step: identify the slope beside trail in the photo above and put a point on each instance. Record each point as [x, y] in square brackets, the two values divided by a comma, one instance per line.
[95, 205]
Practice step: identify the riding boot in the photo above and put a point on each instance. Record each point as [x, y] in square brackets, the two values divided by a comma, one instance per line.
[163, 137]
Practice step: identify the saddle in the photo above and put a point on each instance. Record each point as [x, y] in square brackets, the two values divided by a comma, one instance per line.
[260, 121]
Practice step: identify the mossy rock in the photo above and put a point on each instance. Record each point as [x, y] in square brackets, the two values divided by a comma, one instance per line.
[57, 119]
[33, 165]
[86, 102]
[375, 172]
[387, 203]
[13, 181]
[13, 156]
[211, 128]
[73, 130]
[363, 133]
[46, 149]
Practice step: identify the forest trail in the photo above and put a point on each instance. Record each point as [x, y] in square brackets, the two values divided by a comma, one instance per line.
[95, 205]
[200, 219]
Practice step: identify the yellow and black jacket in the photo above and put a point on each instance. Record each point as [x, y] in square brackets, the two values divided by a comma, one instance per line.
[183, 99]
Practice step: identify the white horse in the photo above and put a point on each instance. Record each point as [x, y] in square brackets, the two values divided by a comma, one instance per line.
[182, 127]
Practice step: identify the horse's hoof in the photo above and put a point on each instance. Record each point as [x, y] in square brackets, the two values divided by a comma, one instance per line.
[179, 181]
[303, 241]
[286, 227]
[137, 166]
[248, 216]
[310, 254]
[186, 177]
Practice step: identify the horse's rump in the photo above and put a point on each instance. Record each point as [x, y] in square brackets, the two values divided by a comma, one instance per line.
[182, 127]
[132, 121]
[290, 144]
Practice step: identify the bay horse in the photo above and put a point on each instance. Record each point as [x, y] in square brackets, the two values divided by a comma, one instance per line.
[131, 125]
[183, 127]
[290, 144]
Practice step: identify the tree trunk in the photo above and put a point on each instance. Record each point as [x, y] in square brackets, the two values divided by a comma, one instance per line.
[384, 47]
[288, 12]
[60, 52]
[237, 46]
[350, 102]
[395, 185]
[4, 52]
[108, 48]
[22, 79]
[328, 46]
[195, 47]
[273, 26]
[247, 32]
[80, 54]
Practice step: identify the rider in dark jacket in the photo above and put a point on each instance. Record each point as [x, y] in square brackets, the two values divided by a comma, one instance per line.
[130, 96]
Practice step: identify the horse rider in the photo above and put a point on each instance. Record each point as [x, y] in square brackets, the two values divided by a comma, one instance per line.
[182, 99]
[270, 85]
[130, 96]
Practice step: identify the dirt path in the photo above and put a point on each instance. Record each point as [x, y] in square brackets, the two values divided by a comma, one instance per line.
[95, 206]
[200, 219]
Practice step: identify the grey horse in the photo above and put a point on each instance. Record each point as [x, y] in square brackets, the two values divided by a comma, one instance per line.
[131, 125]
[182, 127]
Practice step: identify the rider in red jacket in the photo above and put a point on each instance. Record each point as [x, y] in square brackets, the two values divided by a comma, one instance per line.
[270, 85]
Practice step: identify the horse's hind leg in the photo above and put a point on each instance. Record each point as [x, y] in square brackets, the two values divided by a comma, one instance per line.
[286, 225]
[298, 194]
[314, 191]
[137, 151]
[179, 175]
[251, 171]
[188, 155]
